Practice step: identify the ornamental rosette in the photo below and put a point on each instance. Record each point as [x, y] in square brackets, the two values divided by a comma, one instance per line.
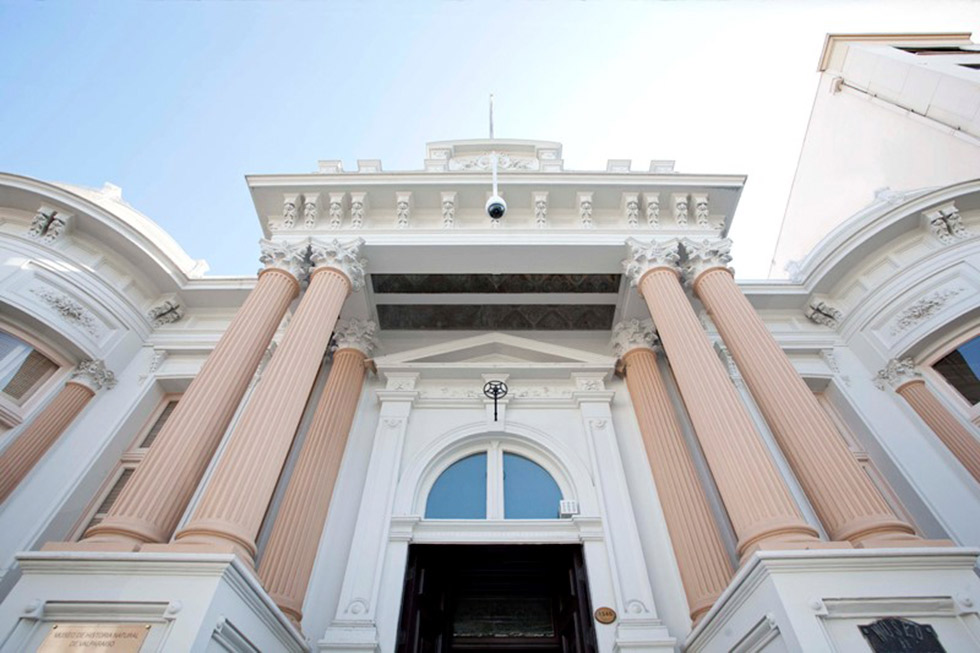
[896, 372]
[355, 334]
[93, 375]
[290, 257]
[702, 255]
[646, 256]
[633, 334]
[342, 256]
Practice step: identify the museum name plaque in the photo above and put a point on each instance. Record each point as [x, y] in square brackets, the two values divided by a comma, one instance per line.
[94, 638]
[893, 635]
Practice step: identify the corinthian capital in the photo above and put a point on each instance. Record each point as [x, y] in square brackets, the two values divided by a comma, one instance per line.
[647, 256]
[290, 257]
[342, 256]
[94, 375]
[702, 255]
[633, 334]
[355, 334]
[896, 373]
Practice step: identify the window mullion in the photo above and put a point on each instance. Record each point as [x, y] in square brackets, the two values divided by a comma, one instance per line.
[495, 484]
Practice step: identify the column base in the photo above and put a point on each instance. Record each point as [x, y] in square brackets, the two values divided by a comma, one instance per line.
[791, 545]
[191, 602]
[816, 600]
[201, 547]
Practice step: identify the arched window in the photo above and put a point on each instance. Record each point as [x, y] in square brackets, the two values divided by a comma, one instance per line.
[494, 484]
[25, 373]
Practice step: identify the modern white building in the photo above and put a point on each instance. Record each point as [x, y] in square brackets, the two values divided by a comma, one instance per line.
[420, 428]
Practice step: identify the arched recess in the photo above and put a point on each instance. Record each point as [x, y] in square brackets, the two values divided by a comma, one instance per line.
[573, 477]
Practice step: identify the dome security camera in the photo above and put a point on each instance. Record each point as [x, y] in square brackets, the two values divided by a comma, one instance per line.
[496, 207]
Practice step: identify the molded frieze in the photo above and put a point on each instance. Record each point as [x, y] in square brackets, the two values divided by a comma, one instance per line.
[70, 310]
[633, 334]
[923, 309]
[343, 256]
[646, 256]
[896, 373]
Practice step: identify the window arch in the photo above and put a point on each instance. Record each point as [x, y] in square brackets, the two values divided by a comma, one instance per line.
[494, 484]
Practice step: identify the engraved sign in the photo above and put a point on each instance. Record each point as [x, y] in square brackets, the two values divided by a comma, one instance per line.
[893, 635]
[605, 615]
[94, 638]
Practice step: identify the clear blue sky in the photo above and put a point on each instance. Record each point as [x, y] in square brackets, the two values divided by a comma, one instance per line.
[176, 101]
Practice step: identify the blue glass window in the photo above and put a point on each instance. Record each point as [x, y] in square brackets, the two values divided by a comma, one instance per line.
[961, 368]
[460, 492]
[529, 491]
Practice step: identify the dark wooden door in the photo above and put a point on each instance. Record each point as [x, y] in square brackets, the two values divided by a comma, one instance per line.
[486, 599]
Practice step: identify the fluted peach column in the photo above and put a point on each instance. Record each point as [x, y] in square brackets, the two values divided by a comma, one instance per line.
[701, 558]
[850, 507]
[288, 559]
[19, 458]
[908, 382]
[156, 496]
[759, 504]
[235, 501]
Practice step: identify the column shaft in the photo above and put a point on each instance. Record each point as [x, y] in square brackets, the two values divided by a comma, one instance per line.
[848, 504]
[704, 565]
[156, 496]
[759, 504]
[944, 424]
[19, 458]
[235, 501]
[289, 556]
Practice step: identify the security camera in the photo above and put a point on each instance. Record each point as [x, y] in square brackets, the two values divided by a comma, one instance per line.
[496, 207]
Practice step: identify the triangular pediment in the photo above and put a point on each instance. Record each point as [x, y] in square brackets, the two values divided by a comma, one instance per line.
[494, 348]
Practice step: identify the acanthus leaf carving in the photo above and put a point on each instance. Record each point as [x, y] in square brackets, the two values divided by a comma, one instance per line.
[820, 312]
[896, 373]
[585, 210]
[166, 312]
[644, 256]
[290, 257]
[355, 334]
[93, 374]
[705, 254]
[48, 224]
[342, 256]
[633, 334]
[946, 224]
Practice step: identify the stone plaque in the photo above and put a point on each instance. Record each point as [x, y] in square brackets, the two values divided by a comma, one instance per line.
[605, 615]
[893, 635]
[94, 638]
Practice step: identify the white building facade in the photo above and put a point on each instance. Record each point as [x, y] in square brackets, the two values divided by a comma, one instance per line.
[314, 458]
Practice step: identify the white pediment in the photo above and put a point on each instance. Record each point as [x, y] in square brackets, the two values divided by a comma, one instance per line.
[494, 349]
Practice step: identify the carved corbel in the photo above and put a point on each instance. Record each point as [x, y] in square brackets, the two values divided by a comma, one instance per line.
[403, 209]
[49, 224]
[311, 210]
[631, 209]
[448, 209]
[540, 201]
[290, 210]
[652, 203]
[336, 210]
[820, 312]
[584, 202]
[701, 211]
[946, 224]
[358, 207]
[167, 311]
[680, 203]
